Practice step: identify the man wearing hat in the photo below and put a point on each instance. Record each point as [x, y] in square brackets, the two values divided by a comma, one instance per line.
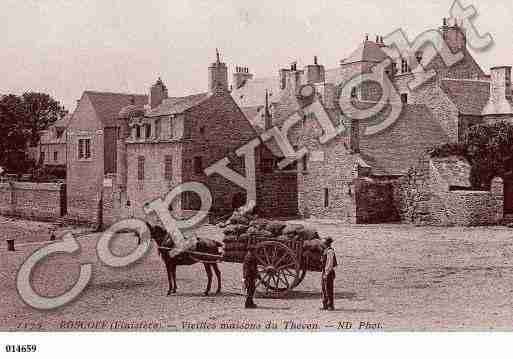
[250, 275]
[329, 262]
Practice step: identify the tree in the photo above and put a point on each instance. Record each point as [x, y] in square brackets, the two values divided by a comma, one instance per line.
[489, 150]
[12, 128]
[41, 110]
[21, 120]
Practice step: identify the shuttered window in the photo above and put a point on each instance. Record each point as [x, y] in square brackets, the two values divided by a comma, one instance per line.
[168, 167]
[140, 168]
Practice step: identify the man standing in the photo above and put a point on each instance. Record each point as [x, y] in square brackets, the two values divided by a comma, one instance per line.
[250, 274]
[329, 262]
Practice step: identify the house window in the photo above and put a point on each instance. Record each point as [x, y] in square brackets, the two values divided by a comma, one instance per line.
[84, 148]
[404, 98]
[404, 66]
[42, 157]
[140, 168]
[202, 130]
[158, 128]
[147, 128]
[138, 131]
[171, 127]
[198, 166]
[326, 198]
[168, 167]
[418, 57]
[55, 156]
[353, 92]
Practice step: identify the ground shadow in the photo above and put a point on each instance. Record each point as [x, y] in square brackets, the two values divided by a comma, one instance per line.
[121, 284]
[306, 295]
[202, 295]
[354, 310]
[264, 307]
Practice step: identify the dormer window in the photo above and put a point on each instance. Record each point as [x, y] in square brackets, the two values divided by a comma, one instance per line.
[404, 66]
[418, 57]
[147, 128]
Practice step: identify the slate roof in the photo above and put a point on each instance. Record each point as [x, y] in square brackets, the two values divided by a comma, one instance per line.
[470, 97]
[108, 104]
[176, 105]
[395, 150]
[368, 51]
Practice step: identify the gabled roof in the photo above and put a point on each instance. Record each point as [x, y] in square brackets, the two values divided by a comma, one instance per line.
[395, 150]
[108, 104]
[469, 96]
[368, 51]
[176, 105]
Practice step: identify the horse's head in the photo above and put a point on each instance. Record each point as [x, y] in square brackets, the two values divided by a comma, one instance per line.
[159, 235]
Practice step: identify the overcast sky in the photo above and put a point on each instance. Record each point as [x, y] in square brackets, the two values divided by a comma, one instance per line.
[64, 47]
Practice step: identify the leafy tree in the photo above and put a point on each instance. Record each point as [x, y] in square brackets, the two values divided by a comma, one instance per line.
[41, 111]
[12, 128]
[489, 150]
[21, 120]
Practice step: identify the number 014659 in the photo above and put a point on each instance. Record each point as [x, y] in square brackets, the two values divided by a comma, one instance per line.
[21, 348]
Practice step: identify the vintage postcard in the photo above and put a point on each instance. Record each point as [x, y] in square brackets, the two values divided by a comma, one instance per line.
[270, 166]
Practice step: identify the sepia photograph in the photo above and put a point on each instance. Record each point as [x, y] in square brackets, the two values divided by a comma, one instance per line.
[333, 167]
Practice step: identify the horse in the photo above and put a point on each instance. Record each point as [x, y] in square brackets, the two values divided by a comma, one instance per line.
[203, 246]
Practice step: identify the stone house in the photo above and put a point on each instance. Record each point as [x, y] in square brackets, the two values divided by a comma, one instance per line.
[92, 136]
[357, 177]
[51, 149]
[172, 140]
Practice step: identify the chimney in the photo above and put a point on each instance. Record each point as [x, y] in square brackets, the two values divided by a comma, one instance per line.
[283, 78]
[500, 101]
[314, 73]
[240, 76]
[268, 121]
[454, 36]
[217, 75]
[158, 92]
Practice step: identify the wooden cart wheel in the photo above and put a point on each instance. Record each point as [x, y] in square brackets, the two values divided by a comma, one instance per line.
[278, 267]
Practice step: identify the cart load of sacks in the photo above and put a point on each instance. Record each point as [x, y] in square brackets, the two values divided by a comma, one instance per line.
[244, 228]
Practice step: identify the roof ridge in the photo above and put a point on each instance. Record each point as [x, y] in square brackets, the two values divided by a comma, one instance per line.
[112, 93]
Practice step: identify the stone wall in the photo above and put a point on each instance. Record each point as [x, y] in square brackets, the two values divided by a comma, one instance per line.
[31, 200]
[423, 197]
[277, 194]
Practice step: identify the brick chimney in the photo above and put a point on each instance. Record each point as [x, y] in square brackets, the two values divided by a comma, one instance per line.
[240, 76]
[217, 74]
[314, 73]
[500, 101]
[454, 36]
[158, 92]
[291, 79]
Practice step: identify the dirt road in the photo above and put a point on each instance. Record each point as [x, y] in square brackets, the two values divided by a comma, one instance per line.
[390, 277]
